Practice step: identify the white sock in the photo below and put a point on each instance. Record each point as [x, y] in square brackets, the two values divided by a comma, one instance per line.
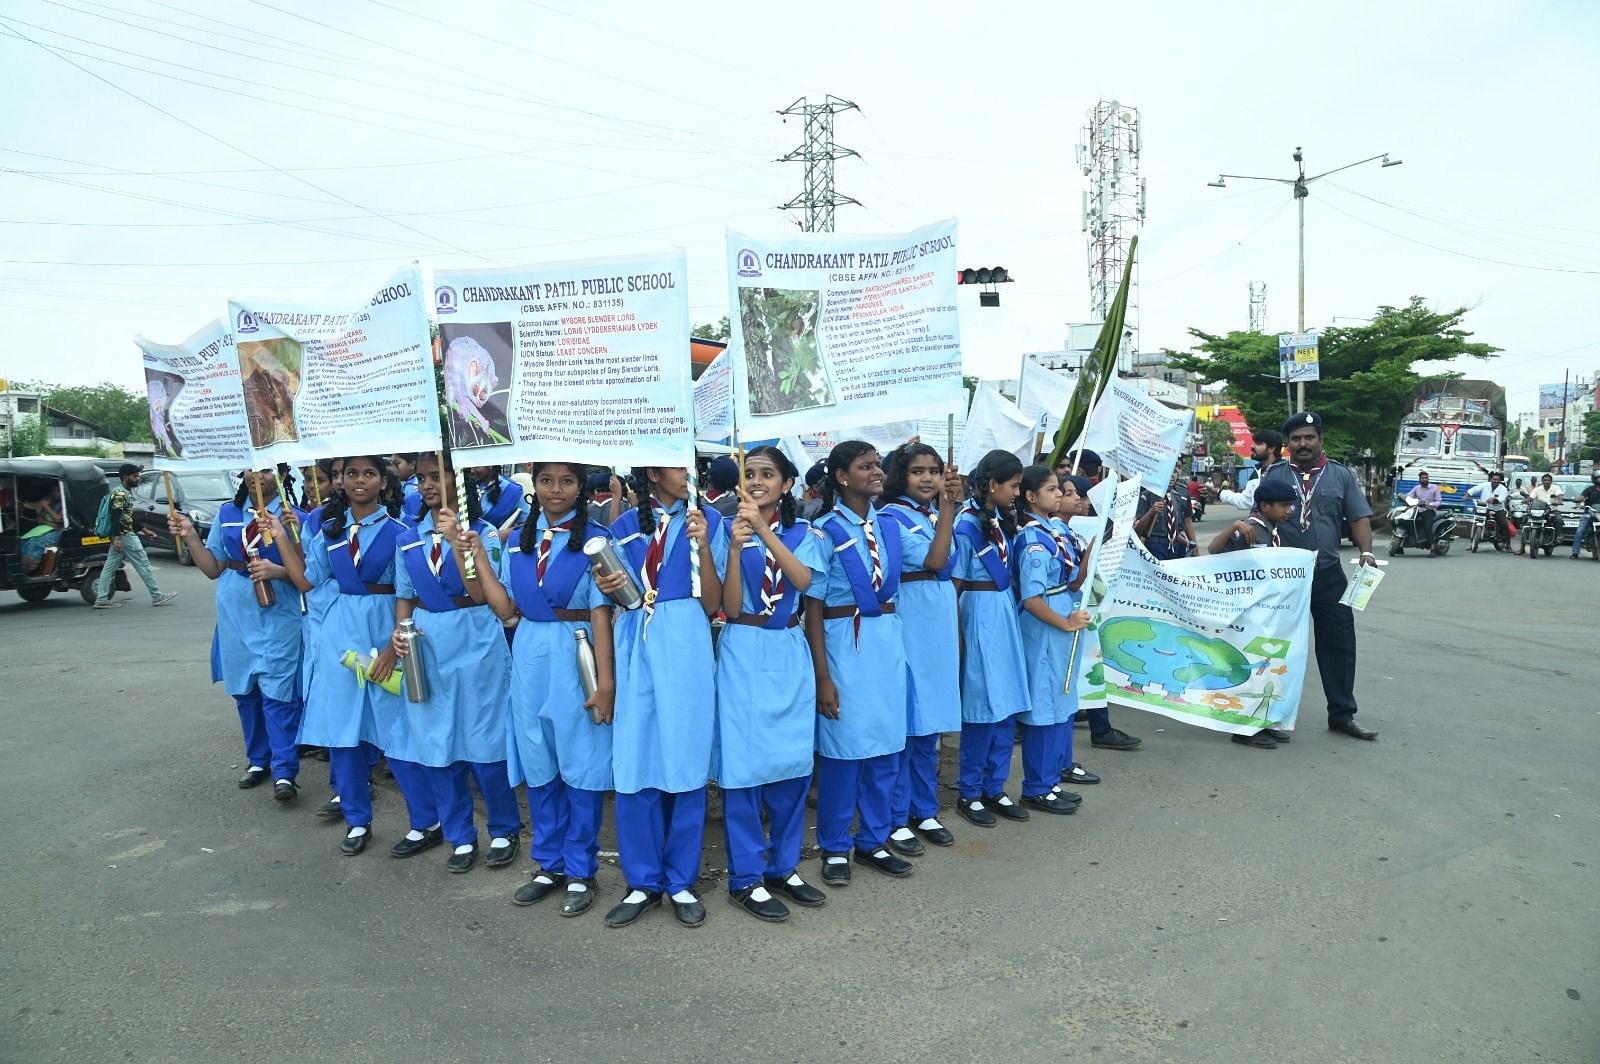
[499, 843]
[794, 880]
[415, 836]
[684, 897]
[634, 897]
[880, 852]
[760, 894]
[836, 860]
[902, 834]
[1002, 801]
[464, 849]
[577, 887]
[284, 780]
[334, 799]
[543, 877]
[930, 824]
[975, 805]
[258, 768]
[356, 833]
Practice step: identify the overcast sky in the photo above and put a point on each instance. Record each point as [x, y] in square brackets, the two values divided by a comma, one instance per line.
[158, 158]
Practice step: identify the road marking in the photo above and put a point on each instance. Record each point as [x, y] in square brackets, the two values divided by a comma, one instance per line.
[142, 850]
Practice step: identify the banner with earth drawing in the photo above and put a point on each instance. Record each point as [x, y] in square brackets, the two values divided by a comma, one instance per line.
[1219, 641]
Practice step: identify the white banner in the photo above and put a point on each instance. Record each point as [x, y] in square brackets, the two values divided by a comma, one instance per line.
[1135, 434]
[994, 423]
[1219, 641]
[1043, 393]
[196, 405]
[586, 361]
[713, 400]
[323, 380]
[843, 329]
[933, 431]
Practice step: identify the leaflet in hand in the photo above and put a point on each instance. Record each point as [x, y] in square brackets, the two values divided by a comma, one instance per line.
[1362, 585]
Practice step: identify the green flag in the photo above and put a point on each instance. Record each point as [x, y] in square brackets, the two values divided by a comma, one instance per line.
[1098, 368]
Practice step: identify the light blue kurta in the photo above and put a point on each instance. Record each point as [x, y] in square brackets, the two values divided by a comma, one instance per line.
[994, 677]
[467, 665]
[253, 646]
[550, 731]
[932, 631]
[666, 707]
[1042, 564]
[766, 687]
[339, 712]
[317, 601]
[870, 674]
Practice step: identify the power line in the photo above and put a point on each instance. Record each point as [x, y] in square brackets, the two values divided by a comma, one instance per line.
[1460, 254]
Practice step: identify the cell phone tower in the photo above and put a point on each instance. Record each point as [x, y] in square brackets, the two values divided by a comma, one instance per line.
[1113, 210]
[819, 153]
[1258, 306]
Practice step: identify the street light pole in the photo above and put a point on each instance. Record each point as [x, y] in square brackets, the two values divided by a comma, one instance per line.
[1302, 192]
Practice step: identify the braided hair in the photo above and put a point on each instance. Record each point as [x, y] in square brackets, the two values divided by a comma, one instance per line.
[786, 470]
[645, 506]
[492, 492]
[580, 517]
[447, 472]
[839, 461]
[390, 497]
[899, 460]
[999, 466]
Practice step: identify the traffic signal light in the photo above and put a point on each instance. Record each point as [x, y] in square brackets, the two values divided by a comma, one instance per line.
[985, 275]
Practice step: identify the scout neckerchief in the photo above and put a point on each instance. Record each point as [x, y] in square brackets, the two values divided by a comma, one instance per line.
[436, 583]
[654, 554]
[1271, 530]
[901, 509]
[354, 566]
[759, 568]
[545, 538]
[874, 589]
[1172, 520]
[536, 596]
[996, 555]
[1305, 483]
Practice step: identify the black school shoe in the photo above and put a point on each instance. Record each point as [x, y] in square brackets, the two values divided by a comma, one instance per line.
[835, 873]
[1004, 806]
[354, 844]
[285, 790]
[1115, 739]
[462, 862]
[408, 847]
[975, 811]
[537, 888]
[801, 893]
[626, 912]
[253, 777]
[689, 913]
[1050, 802]
[770, 909]
[885, 862]
[578, 902]
[911, 847]
[500, 856]
[939, 836]
[1079, 775]
[1258, 740]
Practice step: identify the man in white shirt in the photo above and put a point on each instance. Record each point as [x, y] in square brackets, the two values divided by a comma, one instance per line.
[1494, 490]
[1266, 447]
[1548, 491]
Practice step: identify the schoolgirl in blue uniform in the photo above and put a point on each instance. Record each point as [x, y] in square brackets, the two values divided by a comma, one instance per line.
[258, 648]
[994, 679]
[665, 717]
[501, 499]
[1047, 564]
[460, 728]
[858, 654]
[924, 497]
[404, 467]
[559, 742]
[313, 505]
[351, 716]
[766, 696]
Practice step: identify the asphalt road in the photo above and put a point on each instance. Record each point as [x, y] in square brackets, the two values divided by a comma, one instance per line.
[1431, 896]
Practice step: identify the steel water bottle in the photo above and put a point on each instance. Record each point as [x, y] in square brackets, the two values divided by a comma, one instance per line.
[411, 665]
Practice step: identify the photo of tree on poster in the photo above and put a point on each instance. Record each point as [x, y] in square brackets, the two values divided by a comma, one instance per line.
[785, 364]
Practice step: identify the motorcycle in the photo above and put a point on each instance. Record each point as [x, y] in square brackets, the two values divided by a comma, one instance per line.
[1592, 540]
[1489, 524]
[1405, 529]
[1539, 529]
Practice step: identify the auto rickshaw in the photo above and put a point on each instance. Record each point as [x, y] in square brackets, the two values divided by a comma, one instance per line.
[48, 508]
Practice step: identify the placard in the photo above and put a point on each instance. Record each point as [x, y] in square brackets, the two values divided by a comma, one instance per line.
[197, 416]
[1135, 434]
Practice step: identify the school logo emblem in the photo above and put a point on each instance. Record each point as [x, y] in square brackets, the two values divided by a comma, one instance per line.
[749, 263]
[444, 299]
[246, 323]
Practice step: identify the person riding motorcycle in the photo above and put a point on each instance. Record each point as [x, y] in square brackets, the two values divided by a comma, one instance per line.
[1494, 490]
[1428, 500]
[1590, 501]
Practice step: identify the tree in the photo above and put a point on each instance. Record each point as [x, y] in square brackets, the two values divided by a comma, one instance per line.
[1591, 436]
[1367, 373]
[1218, 435]
[119, 413]
[27, 437]
[722, 330]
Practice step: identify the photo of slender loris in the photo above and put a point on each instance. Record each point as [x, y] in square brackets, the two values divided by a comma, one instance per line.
[271, 373]
[784, 362]
[477, 358]
[162, 388]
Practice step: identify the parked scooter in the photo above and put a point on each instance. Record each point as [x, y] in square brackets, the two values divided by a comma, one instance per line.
[1405, 529]
[1539, 528]
[1489, 524]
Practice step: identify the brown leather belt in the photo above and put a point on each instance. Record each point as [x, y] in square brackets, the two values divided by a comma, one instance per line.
[380, 589]
[918, 576]
[238, 567]
[979, 585]
[833, 613]
[756, 620]
[562, 615]
[461, 602]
